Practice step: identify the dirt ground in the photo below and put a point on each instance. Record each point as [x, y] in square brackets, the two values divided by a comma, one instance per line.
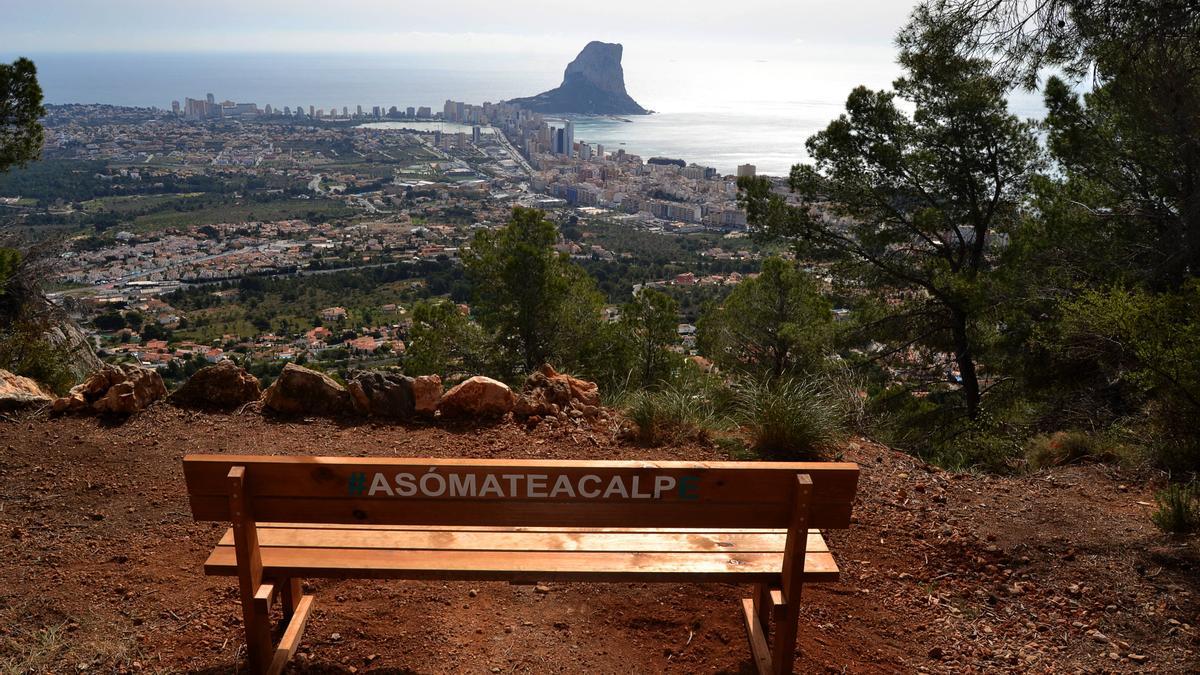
[1059, 571]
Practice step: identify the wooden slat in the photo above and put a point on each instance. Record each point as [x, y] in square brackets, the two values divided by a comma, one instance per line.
[426, 539]
[291, 635]
[519, 528]
[452, 565]
[758, 638]
[523, 512]
[264, 595]
[720, 494]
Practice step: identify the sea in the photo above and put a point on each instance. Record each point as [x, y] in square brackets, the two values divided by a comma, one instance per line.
[718, 110]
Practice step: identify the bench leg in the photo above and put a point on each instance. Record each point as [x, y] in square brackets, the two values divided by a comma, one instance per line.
[763, 608]
[783, 646]
[255, 619]
[290, 595]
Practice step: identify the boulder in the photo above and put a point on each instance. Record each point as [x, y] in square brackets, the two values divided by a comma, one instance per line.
[222, 386]
[548, 392]
[139, 388]
[427, 391]
[115, 389]
[479, 397]
[380, 394]
[20, 392]
[300, 391]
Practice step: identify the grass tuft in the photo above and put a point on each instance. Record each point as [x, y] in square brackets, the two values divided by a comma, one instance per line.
[1178, 509]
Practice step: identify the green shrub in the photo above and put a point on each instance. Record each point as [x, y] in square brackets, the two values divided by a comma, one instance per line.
[25, 352]
[670, 415]
[688, 408]
[1178, 509]
[794, 419]
[1070, 447]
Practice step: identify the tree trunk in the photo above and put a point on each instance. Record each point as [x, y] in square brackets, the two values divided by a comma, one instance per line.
[965, 358]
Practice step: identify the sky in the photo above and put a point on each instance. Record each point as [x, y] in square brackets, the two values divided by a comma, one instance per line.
[704, 28]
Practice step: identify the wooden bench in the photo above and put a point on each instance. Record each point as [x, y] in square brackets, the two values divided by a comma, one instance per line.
[519, 521]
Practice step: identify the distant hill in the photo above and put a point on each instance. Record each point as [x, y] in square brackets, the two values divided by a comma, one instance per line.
[593, 84]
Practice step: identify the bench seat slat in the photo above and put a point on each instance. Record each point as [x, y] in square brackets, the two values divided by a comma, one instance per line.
[550, 540]
[627, 555]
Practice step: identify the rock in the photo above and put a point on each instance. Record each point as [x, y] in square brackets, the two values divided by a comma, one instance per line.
[21, 392]
[541, 588]
[140, 388]
[380, 394]
[115, 389]
[593, 84]
[427, 391]
[222, 386]
[547, 392]
[300, 391]
[477, 397]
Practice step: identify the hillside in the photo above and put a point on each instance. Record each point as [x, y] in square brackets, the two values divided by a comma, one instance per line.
[1059, 570]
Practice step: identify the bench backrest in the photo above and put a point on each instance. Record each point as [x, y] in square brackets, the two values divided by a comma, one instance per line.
[531, 493]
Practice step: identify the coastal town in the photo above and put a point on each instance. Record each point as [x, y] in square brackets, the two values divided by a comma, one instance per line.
[211, 193]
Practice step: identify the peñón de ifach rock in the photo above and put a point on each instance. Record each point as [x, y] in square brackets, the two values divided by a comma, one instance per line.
[593, 84]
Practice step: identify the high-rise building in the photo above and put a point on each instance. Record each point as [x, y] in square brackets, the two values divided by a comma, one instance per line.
[375, 111]
[600, 151]
[746, 170]
[175, 108]
[345, 111]
[448, 111]
[359, 113]
[476, 134]
[211, 99]
[424, 112]
[312, 112]
[267, 110]
[569, 139]
[410, 112]
[287, 111]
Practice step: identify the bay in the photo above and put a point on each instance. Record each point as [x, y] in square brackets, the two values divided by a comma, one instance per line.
[718, 110]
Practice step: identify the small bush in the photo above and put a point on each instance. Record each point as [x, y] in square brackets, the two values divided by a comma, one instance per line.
[1178, 509]
[789, 418]
[670, 415]
[1069, 447]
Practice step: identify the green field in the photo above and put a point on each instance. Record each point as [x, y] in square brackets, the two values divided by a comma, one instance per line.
[282, 209]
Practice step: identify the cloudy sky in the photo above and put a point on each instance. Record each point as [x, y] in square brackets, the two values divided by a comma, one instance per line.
[755, 27]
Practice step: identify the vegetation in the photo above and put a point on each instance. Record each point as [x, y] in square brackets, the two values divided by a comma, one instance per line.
[772, 326]
[21, 132]
[444, 341]
[26, 318]
[1178, 509]
[649, 323]
[535, 304]
[789, 419]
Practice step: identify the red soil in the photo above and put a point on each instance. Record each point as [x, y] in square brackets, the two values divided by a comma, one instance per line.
[100, 569]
